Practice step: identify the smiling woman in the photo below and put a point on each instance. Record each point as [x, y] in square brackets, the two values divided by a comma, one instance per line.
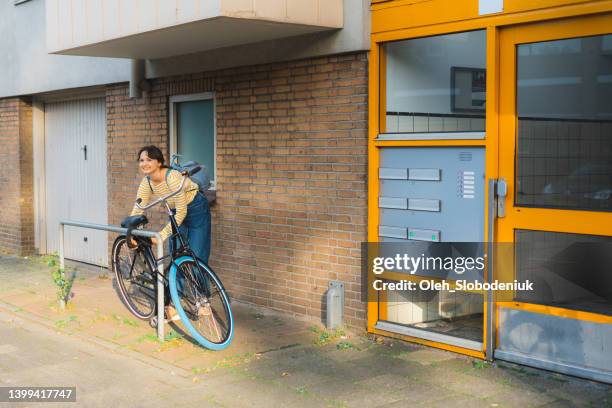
[192, 210]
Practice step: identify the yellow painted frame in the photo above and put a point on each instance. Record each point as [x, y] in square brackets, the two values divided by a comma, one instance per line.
[541, 219]
[410, 26]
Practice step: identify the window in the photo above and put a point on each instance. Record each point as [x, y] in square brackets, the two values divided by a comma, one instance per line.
[192, 130]
[564, 105]
[436, 86]
[567, 270]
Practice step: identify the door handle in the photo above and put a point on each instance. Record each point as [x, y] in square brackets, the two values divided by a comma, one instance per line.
[84, 148]
[501, 191]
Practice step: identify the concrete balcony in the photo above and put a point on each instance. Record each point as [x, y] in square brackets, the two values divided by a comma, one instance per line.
[150, 29]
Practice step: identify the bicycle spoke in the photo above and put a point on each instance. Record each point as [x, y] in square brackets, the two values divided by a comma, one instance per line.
[203, 303]
[134, 280]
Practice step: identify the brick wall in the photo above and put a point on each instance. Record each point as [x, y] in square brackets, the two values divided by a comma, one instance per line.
[16, 172]
[291, 175]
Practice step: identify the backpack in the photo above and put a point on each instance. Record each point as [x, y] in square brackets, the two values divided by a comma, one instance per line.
[201, 178]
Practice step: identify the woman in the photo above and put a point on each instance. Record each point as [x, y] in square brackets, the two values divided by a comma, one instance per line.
[192, 210]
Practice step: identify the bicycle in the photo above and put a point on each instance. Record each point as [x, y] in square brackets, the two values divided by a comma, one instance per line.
[196, 292]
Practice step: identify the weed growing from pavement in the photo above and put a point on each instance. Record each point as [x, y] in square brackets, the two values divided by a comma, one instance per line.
[479, 364]
[147, 337]
[228, 363]
[344, 345]
[173, 335]
[302, 391]
[125, 321]
[324, 337]
[63, 284]
[63, 323]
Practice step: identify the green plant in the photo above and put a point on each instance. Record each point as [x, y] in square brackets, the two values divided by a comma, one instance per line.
[63, 283]
[325, 336]
[344, 345]
[173, 335]
[480, 364]
[63, 323]
[148, 337]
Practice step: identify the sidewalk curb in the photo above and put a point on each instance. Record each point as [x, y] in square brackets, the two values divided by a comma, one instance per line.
[21, 314]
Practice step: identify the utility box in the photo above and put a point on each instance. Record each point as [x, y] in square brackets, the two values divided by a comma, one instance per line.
[335, 305]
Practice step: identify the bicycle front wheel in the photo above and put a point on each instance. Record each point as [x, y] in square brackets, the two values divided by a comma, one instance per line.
[135, 281]
[202, 303]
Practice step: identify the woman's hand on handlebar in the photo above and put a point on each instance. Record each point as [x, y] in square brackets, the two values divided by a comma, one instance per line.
[135, 243]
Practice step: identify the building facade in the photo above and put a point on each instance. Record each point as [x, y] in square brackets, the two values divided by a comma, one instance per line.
[491, 122]
[271, 97]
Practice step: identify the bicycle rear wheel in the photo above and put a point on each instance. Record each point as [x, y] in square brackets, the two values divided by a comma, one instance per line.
[202, 303]
[135, 281]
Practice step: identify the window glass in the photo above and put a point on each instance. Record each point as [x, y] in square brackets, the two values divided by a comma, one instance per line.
[567, 270]
[564, 141]
[196, 133]
[453, 313]
[436, 84]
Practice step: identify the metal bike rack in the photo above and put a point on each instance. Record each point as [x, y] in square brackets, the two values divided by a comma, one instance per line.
[120, 230]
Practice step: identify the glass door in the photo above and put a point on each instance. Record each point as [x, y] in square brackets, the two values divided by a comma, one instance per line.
[556, 157]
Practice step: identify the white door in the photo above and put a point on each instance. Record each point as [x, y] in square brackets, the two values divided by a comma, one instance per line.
[75, 174]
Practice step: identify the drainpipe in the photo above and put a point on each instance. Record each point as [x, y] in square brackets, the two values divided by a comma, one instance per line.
[138, 81]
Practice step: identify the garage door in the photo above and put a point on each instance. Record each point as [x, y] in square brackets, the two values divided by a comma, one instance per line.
[75, 174]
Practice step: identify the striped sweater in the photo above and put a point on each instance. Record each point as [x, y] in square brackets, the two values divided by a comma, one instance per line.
[180, 201]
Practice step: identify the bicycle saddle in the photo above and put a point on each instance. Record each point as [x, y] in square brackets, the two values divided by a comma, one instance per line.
[134, 221]
[131, 222]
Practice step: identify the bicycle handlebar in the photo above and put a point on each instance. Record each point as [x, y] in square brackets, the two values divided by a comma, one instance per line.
[185, 174]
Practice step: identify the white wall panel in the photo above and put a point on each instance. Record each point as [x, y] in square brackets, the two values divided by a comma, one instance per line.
[147, 14]
[188, 11]
[95, 27]
[128, 17]
[112, 26]
[210, 8]
[167, 12]
[76, 186]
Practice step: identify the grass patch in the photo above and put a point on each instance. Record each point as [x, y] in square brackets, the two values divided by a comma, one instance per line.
[323, 337]
[118, 335]
[200, 370]
[480, 364]
[302, 391]
[344, 345]
[233, 361]
[148, 337]
[125, 321]
[173, 335]
[63, 323]
[228, 363]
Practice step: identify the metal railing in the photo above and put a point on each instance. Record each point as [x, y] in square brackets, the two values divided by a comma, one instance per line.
[120, 230]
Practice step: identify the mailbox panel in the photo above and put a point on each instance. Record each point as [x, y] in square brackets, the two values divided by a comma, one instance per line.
[443, 189]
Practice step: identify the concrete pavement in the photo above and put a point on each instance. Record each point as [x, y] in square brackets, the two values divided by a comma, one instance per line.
[115, 360]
